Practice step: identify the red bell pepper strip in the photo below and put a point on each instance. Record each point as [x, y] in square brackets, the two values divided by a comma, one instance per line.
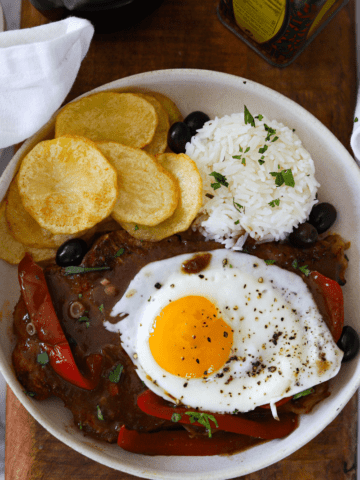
[178, 442]
[267, 429]
[333, 302]
[42, 314]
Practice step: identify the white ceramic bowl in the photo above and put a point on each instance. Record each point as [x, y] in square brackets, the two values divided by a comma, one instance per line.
[216, 94]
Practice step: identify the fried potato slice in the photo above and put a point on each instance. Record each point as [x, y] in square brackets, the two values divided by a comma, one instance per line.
[148, 193]
[13, 251]
[171, 107]
[67, 185]
[188, 176]
[109, 116]
[24, 228]
[159, 142]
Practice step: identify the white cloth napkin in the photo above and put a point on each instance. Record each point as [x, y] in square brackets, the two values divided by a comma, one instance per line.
[37, 69]
[355, 137]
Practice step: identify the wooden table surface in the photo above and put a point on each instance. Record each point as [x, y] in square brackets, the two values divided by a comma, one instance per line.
[188, 34]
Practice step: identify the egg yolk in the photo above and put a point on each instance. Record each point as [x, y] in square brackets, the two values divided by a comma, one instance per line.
[189, 339]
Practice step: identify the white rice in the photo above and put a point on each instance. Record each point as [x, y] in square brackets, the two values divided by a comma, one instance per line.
[251, 185]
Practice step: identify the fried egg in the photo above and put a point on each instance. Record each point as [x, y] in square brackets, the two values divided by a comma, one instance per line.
[234, 336]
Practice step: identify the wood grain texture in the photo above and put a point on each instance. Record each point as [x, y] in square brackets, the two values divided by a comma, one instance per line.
[188, 34]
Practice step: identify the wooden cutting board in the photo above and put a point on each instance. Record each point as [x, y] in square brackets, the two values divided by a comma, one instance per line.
[188, 34]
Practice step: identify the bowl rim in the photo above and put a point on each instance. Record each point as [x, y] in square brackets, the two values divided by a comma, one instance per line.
[150, 78]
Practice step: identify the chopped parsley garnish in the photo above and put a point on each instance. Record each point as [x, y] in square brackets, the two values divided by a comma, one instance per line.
[275, 202]
[305, 270]
[115, 375]
[75, 270]
[30, 394]
[99, 413]
[279, 180]
[85, 319]
[209, 195]
[42, 358]
[136, 228]
[101, 308]
[302, 269]
[274, 139]
[238, 157]
[236, 410]
[260, 117]
[80, 425]
[248, 118]
[237, 222]
[204, 419]
[175, 417]
[270, 262]
[304, 393]
[288, 177]
[119, 252]
[263, 149]
[261, 161]
[271, 131]
[237, 206]
[220, 180]
[80, 295]
[356, 119]
[285, 176]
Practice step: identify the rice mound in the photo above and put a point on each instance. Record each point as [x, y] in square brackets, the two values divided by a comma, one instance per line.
[252, 204]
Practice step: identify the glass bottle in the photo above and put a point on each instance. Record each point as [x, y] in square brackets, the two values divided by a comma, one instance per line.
[278, 30]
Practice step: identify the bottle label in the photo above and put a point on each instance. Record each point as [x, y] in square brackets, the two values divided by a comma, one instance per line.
[261, 19]
[323, 15]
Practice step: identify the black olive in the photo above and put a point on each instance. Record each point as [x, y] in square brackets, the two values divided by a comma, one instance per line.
[322, 216]
[349, 343]
[179, 135]
[71, 252]
[303, 236]
[195, 121]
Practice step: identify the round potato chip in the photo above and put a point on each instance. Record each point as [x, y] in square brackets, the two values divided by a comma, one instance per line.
[109, 116]
[190, 183]
[41, 254]
[24, 228]
[171, 108]
[159, 142]
[148, 193]
[13, 251]
[67, 185]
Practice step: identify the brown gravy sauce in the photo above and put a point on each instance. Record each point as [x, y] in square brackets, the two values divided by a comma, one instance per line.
[97, 292]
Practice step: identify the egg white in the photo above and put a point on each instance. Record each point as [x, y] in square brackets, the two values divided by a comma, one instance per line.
[281, 344]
